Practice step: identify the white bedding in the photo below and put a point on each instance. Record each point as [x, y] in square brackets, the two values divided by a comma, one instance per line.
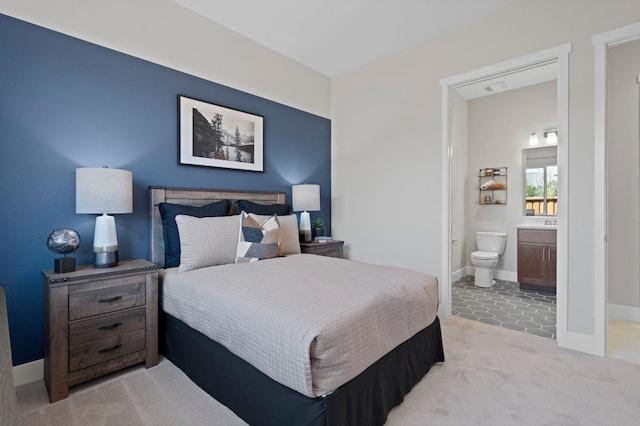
[309, 322]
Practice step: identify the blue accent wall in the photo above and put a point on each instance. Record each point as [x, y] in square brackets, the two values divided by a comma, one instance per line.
[66, 103]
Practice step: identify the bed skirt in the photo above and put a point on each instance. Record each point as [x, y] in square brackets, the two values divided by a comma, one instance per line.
[258, 400]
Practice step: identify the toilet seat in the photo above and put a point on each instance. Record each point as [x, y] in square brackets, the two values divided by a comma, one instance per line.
[484, 255]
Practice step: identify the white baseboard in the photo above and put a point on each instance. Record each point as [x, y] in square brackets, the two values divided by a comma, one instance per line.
[497, 274]
[582, 342]
[456, 275]
[505, 275]
[28, 372]
[623, 312]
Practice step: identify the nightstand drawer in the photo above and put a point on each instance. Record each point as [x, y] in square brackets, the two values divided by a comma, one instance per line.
[103, 326]
[93, 353]
[325, 250]
[330, 249]
[88, 303]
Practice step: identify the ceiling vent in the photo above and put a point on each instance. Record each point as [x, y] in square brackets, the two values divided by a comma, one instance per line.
[497, 87]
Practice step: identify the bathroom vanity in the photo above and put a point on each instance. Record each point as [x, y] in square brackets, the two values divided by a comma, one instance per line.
[537, 258]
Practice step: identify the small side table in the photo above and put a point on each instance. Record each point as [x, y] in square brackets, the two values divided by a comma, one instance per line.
[330, 248]
[98, 320]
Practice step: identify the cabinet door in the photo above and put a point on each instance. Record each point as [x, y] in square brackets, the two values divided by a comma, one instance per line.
[551, 266]
[531, 263]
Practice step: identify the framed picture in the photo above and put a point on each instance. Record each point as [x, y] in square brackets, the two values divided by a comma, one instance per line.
[215, 136]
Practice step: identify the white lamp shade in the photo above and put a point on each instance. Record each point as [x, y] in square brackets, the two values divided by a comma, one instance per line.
[104, 190]
[533, 139]
[305, 197]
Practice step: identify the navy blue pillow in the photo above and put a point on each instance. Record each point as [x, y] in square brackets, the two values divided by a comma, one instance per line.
[265, 209]
[169, 211]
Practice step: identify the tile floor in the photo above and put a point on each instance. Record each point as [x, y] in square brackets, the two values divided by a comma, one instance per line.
[505, 305]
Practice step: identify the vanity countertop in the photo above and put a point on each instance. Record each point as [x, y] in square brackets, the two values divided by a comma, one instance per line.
[536, 226]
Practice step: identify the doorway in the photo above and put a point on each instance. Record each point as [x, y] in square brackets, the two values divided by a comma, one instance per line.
[617, 130]
[559, 57]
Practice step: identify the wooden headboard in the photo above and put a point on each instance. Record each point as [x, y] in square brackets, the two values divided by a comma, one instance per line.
[195, 197]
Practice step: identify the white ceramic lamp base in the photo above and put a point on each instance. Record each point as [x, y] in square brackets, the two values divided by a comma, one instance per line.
[105, 242]
[305, 227]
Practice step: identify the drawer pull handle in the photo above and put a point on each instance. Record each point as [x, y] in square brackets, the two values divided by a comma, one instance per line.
[110, 326]
[110, 300]
[112, 348]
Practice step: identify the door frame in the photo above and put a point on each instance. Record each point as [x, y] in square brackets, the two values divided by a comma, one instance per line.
[601, 43]
[559, 55]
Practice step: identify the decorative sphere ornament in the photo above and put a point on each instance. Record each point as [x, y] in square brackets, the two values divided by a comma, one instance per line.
[63, 241]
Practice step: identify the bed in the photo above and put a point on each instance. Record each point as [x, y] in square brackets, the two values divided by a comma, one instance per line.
[332, 366]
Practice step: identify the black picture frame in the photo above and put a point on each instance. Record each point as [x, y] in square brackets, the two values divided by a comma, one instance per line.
[215, 136]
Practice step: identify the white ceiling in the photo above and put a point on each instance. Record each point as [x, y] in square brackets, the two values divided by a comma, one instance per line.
[335, 36]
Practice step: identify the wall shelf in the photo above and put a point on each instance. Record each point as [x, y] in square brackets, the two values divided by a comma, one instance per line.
[492, 186]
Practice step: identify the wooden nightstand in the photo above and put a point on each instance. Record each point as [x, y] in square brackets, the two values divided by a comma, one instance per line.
[331, 248]
[98, 320]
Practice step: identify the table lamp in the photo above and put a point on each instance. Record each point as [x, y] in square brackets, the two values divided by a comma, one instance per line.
[305, 198]
[104, 191]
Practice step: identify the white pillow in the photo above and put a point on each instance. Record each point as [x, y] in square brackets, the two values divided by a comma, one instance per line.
[207, 241]
[289, 234]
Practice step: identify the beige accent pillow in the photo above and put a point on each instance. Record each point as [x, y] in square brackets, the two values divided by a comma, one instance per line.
[289, 234]
[207, 241]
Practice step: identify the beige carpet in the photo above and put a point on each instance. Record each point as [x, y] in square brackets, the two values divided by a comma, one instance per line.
[492, 376]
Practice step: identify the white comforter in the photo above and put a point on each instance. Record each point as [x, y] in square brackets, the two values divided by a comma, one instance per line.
[309, 322]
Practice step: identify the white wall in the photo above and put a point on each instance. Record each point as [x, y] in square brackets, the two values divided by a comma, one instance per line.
[168, 34]
[386, 117]
[499, 128]
[386, 128]
[623, 180]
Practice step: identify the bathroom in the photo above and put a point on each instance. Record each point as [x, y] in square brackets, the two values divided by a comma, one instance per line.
[501, 128]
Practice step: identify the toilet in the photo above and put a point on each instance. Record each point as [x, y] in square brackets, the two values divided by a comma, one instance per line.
[490, 248]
